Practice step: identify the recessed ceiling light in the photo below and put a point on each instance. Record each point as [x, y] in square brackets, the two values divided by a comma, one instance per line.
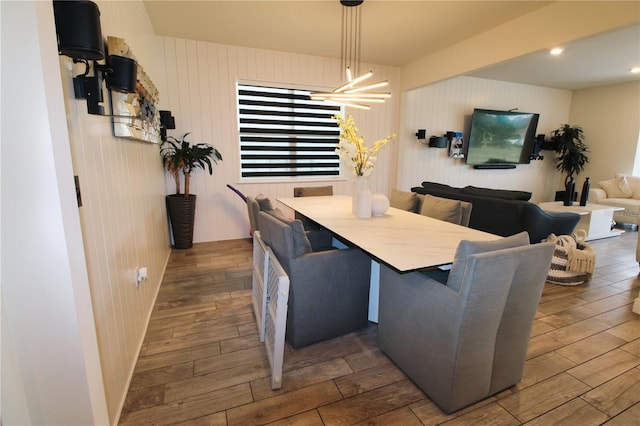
[556, 50]
[635, 70]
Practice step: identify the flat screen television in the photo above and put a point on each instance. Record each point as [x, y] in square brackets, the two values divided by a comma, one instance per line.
[501, 137]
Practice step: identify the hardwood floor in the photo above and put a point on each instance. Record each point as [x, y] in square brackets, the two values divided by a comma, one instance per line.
[203, 364]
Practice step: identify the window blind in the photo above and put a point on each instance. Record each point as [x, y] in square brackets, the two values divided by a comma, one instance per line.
[283, 133]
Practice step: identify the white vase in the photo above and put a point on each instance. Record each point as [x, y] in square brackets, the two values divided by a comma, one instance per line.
[360, 183]
[379, 204]
[364, 204]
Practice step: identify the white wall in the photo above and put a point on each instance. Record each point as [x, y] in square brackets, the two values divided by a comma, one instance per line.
[610, 119]
[446, 105]
[200, 92]
[49, 350]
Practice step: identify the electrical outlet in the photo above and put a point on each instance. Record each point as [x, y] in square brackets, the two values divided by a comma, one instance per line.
[141, 275]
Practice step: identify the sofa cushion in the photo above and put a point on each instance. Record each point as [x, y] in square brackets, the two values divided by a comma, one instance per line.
[497, 193]
[404, 200]
[442, 209]
[467, 248]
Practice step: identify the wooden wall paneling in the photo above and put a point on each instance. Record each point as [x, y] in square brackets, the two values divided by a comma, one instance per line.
[220, 213]
[123, 219]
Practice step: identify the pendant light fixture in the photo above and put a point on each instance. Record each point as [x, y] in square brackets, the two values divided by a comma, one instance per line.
[352, 93]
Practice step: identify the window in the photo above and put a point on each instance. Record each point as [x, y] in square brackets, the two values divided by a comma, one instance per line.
[283, 133]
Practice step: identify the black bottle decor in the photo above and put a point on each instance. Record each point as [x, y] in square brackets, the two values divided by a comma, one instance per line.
[569, 189]
[584, 197]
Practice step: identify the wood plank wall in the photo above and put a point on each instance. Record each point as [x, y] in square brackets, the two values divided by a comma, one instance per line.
[123, 215]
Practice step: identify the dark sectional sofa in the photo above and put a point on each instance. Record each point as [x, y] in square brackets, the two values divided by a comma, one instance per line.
[503, 212]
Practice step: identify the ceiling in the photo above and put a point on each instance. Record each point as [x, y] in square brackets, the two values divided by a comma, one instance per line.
[594, 61]
[396, 33]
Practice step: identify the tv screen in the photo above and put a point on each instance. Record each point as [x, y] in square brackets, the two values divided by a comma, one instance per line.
[501, 137]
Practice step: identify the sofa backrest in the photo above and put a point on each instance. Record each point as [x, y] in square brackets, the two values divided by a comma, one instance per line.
[506, 194]
[494, 215]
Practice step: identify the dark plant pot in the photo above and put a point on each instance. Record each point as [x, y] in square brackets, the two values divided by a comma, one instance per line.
[570, 189]
[182, 213]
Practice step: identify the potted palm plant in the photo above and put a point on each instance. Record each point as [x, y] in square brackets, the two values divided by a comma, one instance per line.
[571, 156]
[181, 157]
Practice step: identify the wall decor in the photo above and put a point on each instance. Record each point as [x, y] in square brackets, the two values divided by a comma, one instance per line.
[135, 115]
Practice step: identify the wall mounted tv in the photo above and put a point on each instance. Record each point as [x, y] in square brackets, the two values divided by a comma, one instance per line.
[501, 139]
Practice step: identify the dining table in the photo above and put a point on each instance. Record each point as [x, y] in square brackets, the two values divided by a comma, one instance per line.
[403, 240]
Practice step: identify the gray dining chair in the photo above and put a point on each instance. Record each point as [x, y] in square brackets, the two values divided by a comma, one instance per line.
[465, 340]
[329, 289]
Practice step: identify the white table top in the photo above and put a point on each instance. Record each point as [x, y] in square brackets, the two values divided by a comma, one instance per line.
[406, 241]
[559, 207]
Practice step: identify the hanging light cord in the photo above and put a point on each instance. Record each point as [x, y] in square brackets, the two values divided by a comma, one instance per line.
[351, 36]
[349, 93]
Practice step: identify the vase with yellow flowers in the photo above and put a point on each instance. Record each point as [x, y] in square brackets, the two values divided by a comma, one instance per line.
[353, 151]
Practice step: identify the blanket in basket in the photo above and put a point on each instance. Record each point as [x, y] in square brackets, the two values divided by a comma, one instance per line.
[573, 260]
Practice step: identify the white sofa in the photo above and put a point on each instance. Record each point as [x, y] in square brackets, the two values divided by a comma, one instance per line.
[621, 191]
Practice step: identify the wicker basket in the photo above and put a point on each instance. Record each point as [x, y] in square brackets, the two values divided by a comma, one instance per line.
[565, 271]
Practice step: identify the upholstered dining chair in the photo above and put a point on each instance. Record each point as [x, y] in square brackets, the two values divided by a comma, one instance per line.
[465, 340]
[329, 290]
[252, 209]
[320, 239]
[310, 191]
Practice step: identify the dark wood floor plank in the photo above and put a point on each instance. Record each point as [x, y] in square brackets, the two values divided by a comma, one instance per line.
[535, 400]
[284, 405]
[190, 408]
[302, 378]
[182, 389]
[151, 362]
[616, 395]
[370, 404]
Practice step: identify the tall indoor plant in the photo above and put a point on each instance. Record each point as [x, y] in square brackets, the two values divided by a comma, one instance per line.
[181, 157]
[571, 155]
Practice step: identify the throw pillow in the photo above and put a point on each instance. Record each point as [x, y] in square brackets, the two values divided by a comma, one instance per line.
[616, 188]
[442, 209]
[467, 248]
[403, 200]
[624, 186]
[264, 202]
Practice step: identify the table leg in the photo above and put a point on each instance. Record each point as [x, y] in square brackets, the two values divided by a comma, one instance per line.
[374, 291]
